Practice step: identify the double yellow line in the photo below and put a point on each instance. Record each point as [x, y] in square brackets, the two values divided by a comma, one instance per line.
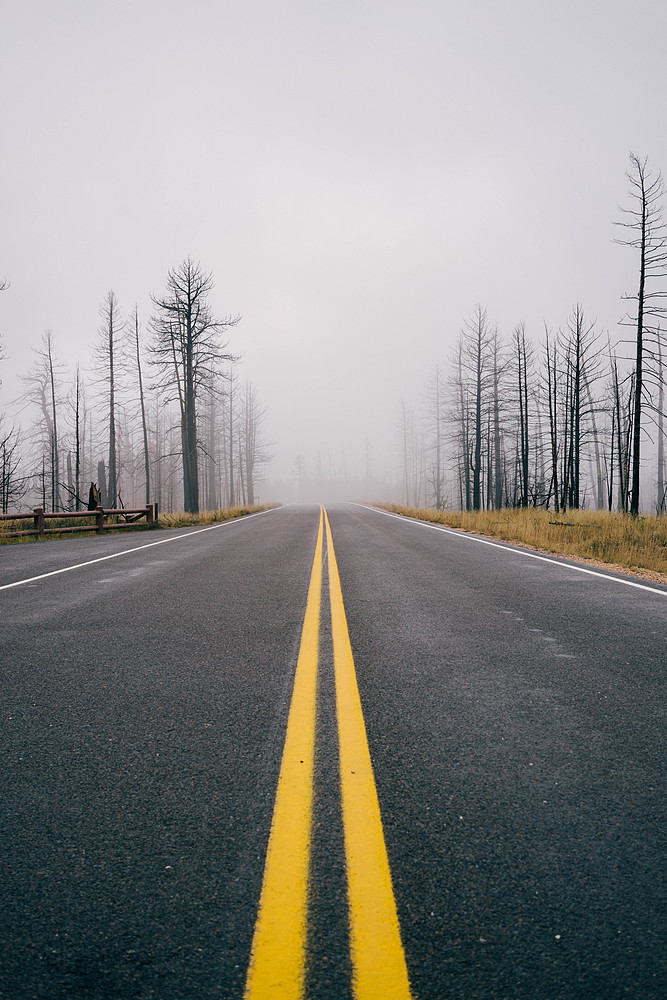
[278, 958]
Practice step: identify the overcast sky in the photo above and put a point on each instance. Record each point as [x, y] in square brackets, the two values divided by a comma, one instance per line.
[357, 176]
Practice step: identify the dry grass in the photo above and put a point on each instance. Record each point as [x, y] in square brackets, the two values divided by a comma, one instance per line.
[615, 541]
[179, 519]
[87, 525]
[176, 519]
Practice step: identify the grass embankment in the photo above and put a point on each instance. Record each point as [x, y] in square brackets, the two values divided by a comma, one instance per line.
[179, 519]
[174, 519]
[636, 545]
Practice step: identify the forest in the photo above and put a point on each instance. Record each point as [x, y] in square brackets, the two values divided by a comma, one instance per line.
[568, 419]
[159, 416]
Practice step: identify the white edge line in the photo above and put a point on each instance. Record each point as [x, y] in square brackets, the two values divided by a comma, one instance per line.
[508, 547]
[137, 548]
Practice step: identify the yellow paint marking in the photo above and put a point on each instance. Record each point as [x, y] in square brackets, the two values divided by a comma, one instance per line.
[377, 952]
[277, 962]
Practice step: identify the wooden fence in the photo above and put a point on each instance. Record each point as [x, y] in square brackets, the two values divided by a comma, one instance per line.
[135, 517]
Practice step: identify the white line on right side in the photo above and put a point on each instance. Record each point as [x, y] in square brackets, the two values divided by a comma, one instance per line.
[507, 547]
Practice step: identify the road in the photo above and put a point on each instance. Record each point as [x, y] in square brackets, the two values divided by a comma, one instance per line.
[507, 842]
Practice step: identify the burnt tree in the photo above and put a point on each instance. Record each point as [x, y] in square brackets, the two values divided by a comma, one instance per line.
[647, 234]
[187, 351]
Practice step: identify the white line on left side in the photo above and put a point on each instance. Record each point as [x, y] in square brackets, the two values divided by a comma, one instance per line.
[127, 552]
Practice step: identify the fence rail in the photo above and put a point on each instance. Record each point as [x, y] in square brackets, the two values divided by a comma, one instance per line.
[132, 517]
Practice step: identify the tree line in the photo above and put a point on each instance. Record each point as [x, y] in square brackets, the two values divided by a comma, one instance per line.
[558, 421]
[159, 416]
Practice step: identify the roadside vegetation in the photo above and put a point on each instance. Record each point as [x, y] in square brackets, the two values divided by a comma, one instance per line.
[173, 519]
[636, 545]
[181, 519]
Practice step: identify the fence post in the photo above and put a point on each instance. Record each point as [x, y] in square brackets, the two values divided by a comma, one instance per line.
[39, 521]
[99, 519]
[149, 513]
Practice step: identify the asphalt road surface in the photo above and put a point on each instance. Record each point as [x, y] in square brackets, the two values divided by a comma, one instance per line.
[513, 709]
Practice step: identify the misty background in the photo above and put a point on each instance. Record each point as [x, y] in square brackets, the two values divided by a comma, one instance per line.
[356, 176]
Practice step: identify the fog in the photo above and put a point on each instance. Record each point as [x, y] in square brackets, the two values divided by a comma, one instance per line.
[356, 175]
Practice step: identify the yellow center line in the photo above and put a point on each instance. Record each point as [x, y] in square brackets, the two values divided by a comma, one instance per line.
[278, 957]
[277, 962]
[378, 959]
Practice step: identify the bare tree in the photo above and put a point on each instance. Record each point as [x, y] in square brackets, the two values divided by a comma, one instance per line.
[253, 448]
[13, 487]
[477, 354]
[523, 359]
[645, 232]
[212, 447]
[460, 419]
[78, 410]
[43, 391]
[187, 350]
[49, 359]
[582, 370]
[471, 386]
[499, 370]
[623, 403]
[106, 360]
[434, 413]
[551, 361]
[412, 456]
[231, 433]
[661, 504]
[142, 405]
